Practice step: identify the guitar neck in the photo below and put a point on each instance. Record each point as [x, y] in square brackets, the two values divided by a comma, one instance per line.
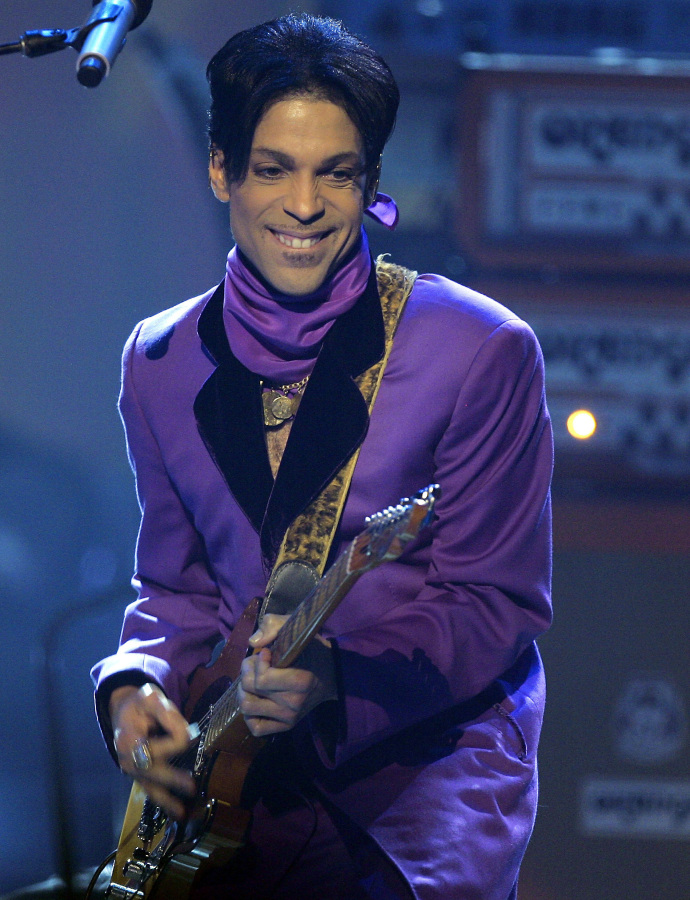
[384, 539]
[313, 611]
[292, 638]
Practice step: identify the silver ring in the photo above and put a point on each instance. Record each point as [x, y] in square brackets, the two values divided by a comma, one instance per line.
[141, 755]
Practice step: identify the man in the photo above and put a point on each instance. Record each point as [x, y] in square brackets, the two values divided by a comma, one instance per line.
[404, 763]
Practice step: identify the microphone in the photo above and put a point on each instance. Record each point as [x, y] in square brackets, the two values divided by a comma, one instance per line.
[104, 36]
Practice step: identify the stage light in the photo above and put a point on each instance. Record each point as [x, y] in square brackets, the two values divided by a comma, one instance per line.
[581, 424]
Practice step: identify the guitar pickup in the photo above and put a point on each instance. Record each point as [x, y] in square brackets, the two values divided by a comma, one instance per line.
[152, 820]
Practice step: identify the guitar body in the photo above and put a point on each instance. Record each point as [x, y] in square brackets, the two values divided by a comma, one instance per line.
[161, 859]
[158, 858]
[215, 832]
[170, 864]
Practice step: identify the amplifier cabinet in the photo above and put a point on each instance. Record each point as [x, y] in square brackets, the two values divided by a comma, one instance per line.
[575, 165]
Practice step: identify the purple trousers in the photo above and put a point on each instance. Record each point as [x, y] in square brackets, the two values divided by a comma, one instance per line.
[300, 854]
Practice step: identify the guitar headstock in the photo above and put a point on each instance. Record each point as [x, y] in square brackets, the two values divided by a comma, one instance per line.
[388, 532]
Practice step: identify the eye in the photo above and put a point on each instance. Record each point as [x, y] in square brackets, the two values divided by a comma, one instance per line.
[269, 173]
[340, 176]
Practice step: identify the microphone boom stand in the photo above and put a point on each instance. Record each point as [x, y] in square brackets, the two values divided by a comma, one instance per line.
[40, 43]
[99, 53]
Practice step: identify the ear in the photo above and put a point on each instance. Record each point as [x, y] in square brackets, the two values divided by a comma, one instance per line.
[217, 176]
[372, 185]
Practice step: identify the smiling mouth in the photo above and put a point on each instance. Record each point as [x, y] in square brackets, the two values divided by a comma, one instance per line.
[293, 242]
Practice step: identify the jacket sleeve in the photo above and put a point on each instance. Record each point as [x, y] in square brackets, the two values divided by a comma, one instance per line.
[485, 594]
[176, 614]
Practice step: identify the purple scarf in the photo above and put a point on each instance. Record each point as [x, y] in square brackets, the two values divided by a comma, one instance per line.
[279, 337]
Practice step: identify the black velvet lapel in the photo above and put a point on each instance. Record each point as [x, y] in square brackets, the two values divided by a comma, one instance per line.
[229, 418]
[331, 423]
[332, 419]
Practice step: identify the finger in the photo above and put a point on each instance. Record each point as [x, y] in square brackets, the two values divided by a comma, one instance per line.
[161, 747]
[158, 716]
[158, 750]
[268, 681]
[169, 779]
[262, 664]
[164, 711]
[170, 803]
[175, 780]
[267, 631]
[160, 774]
[165, 746]
[254, 669]
[283, 706]
[261, 727]
[258, 672]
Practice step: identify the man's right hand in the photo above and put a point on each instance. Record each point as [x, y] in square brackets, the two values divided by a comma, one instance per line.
[145, 714]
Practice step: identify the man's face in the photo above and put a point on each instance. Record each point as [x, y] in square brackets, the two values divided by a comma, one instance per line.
[299, 210]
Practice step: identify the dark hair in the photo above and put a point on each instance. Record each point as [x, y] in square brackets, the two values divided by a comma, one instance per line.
[292, 55]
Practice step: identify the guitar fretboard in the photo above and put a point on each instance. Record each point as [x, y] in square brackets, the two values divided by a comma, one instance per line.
[385, 538]
[292, 637]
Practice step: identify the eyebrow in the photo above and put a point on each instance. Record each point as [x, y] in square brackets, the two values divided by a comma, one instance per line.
[284, 159]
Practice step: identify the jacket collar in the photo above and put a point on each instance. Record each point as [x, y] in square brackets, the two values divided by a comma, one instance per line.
[331, 422]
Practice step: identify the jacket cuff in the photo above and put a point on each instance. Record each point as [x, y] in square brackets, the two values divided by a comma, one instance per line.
[328, 721]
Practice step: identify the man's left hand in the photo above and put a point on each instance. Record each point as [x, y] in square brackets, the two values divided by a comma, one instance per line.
[274, 700]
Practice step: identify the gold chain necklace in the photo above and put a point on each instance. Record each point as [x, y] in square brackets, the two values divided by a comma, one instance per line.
[279, 406]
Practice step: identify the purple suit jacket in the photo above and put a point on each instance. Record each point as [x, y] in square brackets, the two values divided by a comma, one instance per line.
[442, 687]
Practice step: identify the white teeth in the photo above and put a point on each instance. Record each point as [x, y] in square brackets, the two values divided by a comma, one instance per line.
[296, 243]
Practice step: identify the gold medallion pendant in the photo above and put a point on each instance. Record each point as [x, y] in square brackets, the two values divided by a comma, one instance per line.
[280, 404]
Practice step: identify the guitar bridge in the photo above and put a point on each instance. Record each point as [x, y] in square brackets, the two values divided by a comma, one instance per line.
[120, 892]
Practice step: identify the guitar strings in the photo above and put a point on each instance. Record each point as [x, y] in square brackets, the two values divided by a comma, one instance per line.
[219, 716]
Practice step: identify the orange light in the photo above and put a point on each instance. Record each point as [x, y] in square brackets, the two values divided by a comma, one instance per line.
[581, 424]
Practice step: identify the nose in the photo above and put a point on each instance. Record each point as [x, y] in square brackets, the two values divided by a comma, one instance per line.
[303, 200]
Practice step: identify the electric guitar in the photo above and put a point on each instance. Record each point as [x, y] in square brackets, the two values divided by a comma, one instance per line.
[158, 857]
